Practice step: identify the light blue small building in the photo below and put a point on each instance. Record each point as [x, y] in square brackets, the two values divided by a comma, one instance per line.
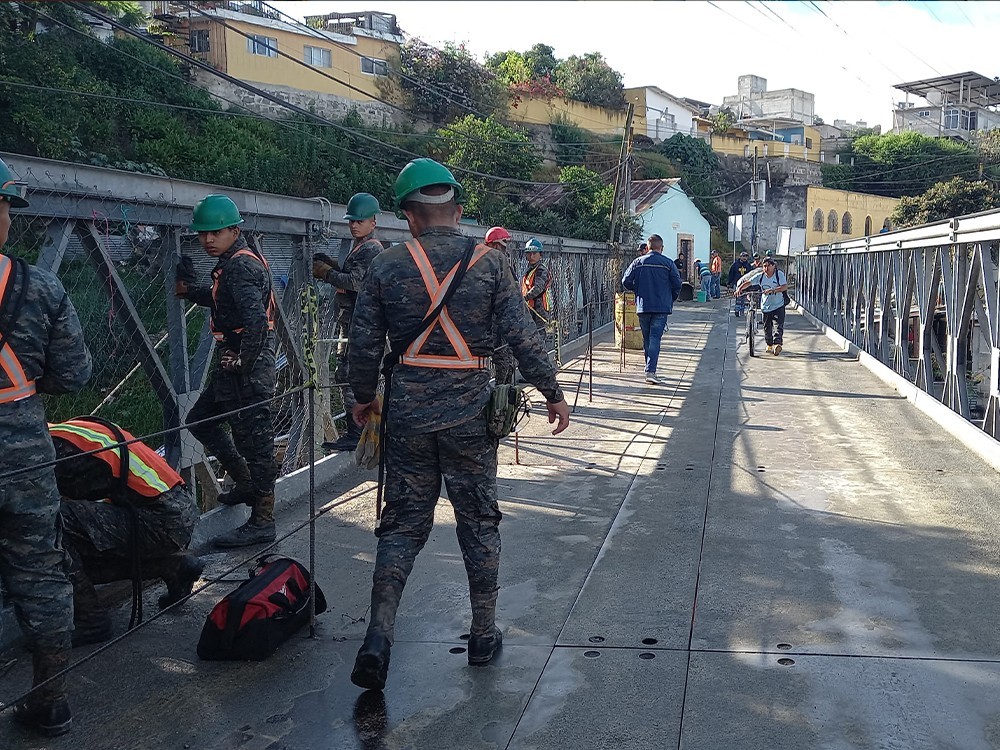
[665, 209]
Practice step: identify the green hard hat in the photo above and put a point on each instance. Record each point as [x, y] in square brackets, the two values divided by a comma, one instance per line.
[11, 190]
[215, 212]
[362, 206]
[421, 173]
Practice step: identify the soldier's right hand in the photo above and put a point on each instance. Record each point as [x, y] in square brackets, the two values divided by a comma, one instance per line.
[361, 412]
[558, 411]
[180, 288]
[321, 269]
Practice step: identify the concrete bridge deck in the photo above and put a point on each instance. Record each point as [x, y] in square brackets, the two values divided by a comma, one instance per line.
[766, 553]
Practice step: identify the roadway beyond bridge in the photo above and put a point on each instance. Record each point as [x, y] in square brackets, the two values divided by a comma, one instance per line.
[777, 552]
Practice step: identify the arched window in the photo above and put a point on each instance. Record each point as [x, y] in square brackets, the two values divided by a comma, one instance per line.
[846, 225]
[818, 220]
[868, 225]
[831, 222]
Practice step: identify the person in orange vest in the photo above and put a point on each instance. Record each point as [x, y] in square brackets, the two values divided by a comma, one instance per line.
[42, 350]
[108, 523]
[503, 358]
[243, 311]
[536, 285]
[716, 269]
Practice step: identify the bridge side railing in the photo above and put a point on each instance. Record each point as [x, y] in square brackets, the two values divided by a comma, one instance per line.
[114, 238]
[924, 301]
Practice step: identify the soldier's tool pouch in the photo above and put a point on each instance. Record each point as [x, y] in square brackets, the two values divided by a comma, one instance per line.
[506, 406]
[261, 614]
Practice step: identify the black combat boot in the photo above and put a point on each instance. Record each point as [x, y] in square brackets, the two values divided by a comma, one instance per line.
[46, 710]
[348, 440]
[186, 570]
[258, 530]
[482, 648]
[371, 667]
[241, 493]
[91, 621]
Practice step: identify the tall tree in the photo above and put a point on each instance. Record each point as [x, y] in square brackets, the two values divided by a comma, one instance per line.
[898, 164]
[490, 147]
[444, 84]
[590, 79]
[946, 200]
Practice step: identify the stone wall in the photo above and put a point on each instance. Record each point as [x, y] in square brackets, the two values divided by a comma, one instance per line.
[329, 106]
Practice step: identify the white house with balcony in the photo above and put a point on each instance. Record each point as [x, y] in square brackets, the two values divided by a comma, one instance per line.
[661, 115]
[951, 106]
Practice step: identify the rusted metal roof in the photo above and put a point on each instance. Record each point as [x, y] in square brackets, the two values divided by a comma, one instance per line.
[646, 192]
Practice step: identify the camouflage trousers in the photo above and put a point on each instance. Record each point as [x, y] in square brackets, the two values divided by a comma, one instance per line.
[340, 373]
[98, 536]
[31, 561]
[466, 458]
[249, 453]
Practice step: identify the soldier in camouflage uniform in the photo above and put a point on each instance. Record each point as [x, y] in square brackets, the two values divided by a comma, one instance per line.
[97, 534]
[243, 318]
[42, 351]
[346, 277]
[503, 357]
[436, 424]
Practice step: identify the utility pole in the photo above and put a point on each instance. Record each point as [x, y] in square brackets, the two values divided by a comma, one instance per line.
[622, 175]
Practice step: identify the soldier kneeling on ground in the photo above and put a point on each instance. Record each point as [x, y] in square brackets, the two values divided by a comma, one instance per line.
[106, 522]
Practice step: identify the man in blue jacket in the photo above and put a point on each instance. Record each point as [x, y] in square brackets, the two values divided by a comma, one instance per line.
[656, 283]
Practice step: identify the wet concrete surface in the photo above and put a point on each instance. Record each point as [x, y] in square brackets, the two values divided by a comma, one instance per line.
[659, 559]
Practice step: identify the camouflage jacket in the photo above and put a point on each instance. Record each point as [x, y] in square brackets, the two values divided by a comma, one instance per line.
[47, 340]
[394, 300]
[240, 303]
[352, 270]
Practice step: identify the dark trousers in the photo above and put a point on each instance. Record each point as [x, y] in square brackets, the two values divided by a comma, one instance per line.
[466, 458]
[251, 447]
[772, 319]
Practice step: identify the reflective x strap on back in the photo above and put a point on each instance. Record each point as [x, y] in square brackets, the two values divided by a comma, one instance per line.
[463, 358]
[20, 387]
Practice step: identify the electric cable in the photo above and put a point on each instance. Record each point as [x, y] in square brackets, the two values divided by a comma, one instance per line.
[315, 120]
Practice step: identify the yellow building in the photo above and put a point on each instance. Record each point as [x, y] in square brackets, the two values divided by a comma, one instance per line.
[351, 49]
[773, 138]
[836, 215]
[538, 110]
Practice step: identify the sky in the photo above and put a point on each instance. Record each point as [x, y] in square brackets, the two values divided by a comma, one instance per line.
[847, 53]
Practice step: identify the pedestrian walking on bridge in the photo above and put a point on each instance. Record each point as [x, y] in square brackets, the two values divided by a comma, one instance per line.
[773, 285]
[41, 351]
[656, 283]
[436, 406]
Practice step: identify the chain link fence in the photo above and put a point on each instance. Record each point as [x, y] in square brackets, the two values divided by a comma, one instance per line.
[114, 239]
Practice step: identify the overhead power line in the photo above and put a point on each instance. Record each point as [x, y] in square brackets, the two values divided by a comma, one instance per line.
[283, 122]
[281, 102]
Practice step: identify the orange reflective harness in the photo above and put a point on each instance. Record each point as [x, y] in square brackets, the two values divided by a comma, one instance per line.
[544, 300]
[463, 358]
[20, 387]
[409, 344]
[217, 274]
